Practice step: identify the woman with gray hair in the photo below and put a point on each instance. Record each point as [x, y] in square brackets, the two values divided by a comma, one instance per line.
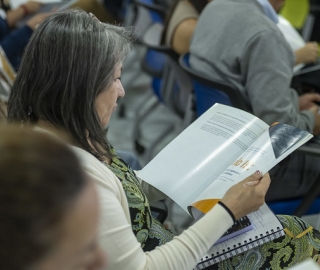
[70, 80]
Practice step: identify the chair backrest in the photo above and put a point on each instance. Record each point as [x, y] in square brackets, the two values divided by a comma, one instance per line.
[155, 57]
[146, 16]
[142, 14]
[296, 12]
[208, 92]
[161, 62]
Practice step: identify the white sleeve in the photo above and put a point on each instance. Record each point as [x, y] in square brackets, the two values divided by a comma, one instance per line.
[120, 244]
[183, 252]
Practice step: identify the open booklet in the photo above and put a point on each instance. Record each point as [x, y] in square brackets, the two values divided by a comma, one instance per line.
[222, 147]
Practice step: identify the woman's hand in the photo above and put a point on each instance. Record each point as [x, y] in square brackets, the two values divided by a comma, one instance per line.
[248, 195]
[15, 15]
[316, 128]
[307, 54]
[308, 101]
[32, 6]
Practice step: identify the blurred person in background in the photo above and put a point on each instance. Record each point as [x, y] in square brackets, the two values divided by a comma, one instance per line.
[13, 39]
[49, 210]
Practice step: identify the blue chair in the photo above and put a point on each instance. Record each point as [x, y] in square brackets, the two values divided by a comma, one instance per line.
[153, 64]
[146, 16]
[207, 92]
[171, 86]
[142, 14]
[295, 207]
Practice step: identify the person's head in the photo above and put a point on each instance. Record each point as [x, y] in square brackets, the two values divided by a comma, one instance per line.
[69, 77]
[48, 207]
[277, 4]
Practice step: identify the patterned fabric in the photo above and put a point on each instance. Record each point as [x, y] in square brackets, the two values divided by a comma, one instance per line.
[281, 253]
[148, 230]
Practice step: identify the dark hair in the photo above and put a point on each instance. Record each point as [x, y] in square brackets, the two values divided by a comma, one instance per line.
[5, 6]
[199, 5]
[69, 60]
[41, 178]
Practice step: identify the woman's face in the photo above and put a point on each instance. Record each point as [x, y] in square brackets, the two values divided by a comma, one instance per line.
[78, 247]
[106, 101]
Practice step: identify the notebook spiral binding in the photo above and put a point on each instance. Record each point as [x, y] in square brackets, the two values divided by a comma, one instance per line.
[238, 249]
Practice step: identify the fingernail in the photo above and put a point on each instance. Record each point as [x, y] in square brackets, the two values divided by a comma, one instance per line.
[251, 183]
[258, 172]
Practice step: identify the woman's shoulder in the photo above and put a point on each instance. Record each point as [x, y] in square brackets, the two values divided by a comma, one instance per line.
[91, 164]
[183, 12]
[100, 173]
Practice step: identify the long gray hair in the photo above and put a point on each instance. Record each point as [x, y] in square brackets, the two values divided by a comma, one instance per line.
[69, 60]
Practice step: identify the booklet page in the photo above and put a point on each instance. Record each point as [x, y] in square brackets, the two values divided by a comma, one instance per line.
[193, 160]
[268, 150]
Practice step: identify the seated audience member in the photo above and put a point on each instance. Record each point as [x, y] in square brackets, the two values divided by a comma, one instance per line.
[13, 41]
[182, 20]
[306, 53]
[49, 210]
[248, 51]
[70, 80]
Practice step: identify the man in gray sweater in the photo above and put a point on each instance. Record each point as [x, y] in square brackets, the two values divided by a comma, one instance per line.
[237, 41]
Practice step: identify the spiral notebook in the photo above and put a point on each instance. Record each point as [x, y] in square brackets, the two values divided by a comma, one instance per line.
[266, 227]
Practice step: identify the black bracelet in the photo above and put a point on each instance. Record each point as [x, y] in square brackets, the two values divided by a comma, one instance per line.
[228, 210]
